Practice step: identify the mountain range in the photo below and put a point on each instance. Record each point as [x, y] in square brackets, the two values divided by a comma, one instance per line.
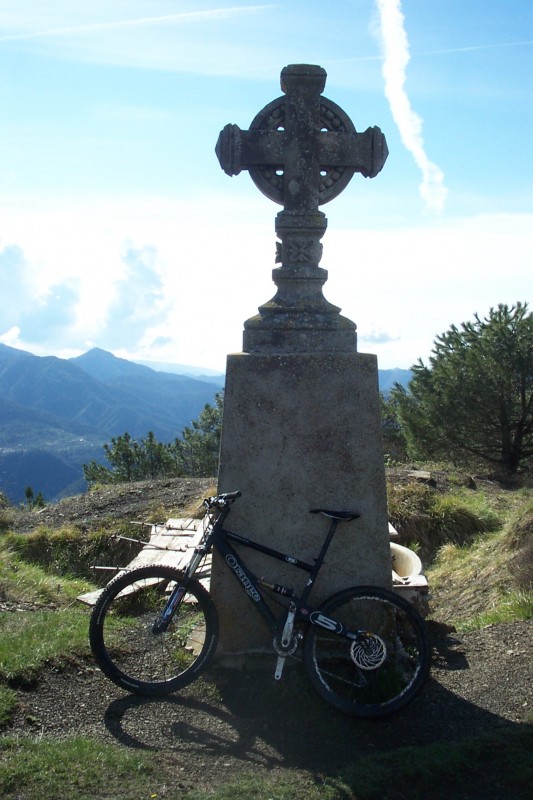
[56, 414]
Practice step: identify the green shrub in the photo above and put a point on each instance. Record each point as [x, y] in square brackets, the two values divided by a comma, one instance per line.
[69, 551]
[6, 519]
[427, 519]
[8, 702]
[6, 513]
[518, 538]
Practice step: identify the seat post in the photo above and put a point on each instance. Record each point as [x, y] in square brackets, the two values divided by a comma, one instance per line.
[327, 542]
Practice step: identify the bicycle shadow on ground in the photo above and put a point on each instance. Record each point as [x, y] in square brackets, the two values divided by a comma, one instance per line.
[246, 719]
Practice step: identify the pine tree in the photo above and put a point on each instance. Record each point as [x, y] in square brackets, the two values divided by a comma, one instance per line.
[196, 453]
[474, 399]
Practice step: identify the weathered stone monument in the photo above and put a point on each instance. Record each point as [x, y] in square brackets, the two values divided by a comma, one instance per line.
[301, 426]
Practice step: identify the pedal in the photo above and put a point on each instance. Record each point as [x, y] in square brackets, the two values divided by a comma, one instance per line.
[286, 636]
[280, 663]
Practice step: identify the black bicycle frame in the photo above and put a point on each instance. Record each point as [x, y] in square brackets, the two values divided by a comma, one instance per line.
[221, 539]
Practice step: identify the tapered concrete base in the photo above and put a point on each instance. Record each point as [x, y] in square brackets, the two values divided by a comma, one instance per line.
[299, 432]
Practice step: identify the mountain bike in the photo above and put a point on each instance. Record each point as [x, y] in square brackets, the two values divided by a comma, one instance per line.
[365, 649]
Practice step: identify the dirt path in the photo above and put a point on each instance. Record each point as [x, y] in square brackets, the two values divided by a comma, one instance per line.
[480, 682]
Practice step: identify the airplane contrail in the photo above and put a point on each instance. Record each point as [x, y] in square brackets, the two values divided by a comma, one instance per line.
[187, 16]
[472, 47]
[442, 52]
[409, 123]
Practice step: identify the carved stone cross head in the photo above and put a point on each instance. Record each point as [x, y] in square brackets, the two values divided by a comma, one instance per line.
[302, 149]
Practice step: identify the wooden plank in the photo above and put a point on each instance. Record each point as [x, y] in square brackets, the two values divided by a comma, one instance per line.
[170, 544]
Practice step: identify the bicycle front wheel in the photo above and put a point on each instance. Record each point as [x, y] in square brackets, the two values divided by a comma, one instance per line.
[383, 667]
[136, 655]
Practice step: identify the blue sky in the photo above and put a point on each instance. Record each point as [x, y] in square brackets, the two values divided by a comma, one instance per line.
[118, 229]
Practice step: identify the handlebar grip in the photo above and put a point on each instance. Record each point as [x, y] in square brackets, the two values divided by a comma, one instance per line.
[220, 500]
[230, 496]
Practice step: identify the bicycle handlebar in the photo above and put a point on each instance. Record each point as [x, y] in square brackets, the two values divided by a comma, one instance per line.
[221, 500]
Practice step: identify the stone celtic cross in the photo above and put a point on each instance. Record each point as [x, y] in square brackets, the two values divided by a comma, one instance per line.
[301, 151]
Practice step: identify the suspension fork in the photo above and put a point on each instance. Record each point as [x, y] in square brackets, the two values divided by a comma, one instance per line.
[164, 619]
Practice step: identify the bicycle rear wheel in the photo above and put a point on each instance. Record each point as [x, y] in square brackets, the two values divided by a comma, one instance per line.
[379, 671]
[121, 632]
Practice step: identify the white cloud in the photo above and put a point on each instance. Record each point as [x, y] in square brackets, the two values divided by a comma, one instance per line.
[141, 277]
[181, 18]
[149, 281]
[415, 282]
[212, 40]
[33, 310]
[378, 335]
[138, 301]
[11, 337]
[409, 123]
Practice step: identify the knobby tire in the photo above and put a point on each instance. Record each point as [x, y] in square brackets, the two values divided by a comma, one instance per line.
[395, 634]
[123, 641]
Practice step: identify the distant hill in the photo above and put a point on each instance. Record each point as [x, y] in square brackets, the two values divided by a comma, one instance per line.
[150, 400]
[200, 373]
[56, 414]
[388, 377]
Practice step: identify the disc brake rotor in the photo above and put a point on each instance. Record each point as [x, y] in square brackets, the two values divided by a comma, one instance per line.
[369, 651]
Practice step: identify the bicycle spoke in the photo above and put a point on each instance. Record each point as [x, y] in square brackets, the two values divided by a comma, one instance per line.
[379, 670]
[126, 646]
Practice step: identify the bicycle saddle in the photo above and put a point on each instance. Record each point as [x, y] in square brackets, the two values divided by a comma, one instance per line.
[340, 515]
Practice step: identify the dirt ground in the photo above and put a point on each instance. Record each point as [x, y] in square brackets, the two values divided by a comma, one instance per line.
[129, 501]
[481, 682]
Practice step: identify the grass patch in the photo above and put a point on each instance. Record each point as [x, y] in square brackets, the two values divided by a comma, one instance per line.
[80, 768]
[85, 769]
[427, 519]
[8, 702]
[54, 634]
[25, 582]
[70, 551]
[261, 787]
[6, 519]
[474, 509]
[518, 542]
[194, 509]
[29, 640]
[488, 580]
[513, 607]
[470, 769]
[473, 583]
[445, 770]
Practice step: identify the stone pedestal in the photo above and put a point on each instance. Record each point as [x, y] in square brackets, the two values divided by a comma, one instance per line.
[301, 425]
[301, 431]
